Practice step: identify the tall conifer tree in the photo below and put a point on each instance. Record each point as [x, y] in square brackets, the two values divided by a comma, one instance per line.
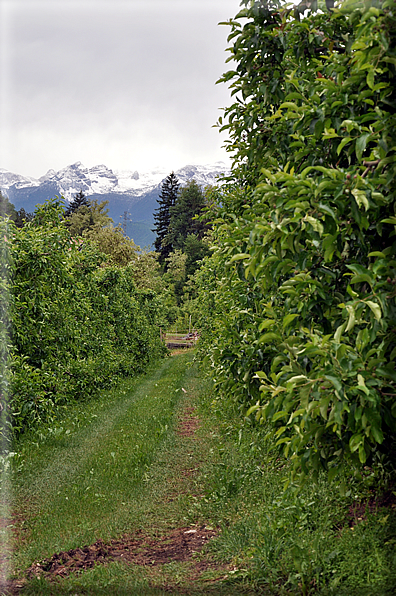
[162, 216]
[190, 203]
[79, 200]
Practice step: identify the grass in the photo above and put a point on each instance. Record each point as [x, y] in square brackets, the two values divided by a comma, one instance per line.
[304, 540]
[117, 466]
[84, 484]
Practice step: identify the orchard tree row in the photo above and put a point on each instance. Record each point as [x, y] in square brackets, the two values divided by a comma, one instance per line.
[81, 307]
[298, 298]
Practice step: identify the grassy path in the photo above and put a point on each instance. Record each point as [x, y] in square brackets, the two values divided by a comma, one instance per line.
[122, 466]
[154, 489]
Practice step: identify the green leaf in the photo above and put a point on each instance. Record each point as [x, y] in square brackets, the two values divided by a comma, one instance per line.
[288, 319]
[268, 174]
[336, 382]
[252, 409]
[330, 245]
[388, 374]
[359, 269]
[361, 198]
[339, 332]
[377, 253]
[315, 223]
[294, 415]
[324, 406]
[370, 78]
[296, 379]
[362, 384]
[261, 374]
[391, 220]
[350, 125]
[355, 441]
[362, 278]
[266, 324]
[328, 210]
[280, 431]
[375, 308]
[279, 415]
[268, 337]
[361, 144]
[362, 454]
[289, 104]
[329, 133]
[344, 142]
[362, 339]
[352, 318]
[239, 257]
[377, 434]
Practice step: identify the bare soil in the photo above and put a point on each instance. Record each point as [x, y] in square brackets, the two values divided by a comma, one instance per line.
[358, 511]
[188, 424]
[178, 545]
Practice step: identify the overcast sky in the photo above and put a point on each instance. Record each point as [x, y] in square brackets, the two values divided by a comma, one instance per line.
[126, 83]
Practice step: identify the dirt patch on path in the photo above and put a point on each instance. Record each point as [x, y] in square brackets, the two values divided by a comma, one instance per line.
[188, 424]
[178, 545]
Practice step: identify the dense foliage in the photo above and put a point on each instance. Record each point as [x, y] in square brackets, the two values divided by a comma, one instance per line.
[299, 295]
[79, 322]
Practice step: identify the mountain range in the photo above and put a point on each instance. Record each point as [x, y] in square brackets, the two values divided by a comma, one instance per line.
[132, 195]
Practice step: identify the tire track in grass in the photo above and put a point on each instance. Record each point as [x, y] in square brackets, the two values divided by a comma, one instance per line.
[75, 489]
[139, 518]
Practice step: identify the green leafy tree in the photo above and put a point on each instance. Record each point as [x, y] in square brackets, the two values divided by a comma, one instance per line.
[89, 217]
[301, 286]
[7, 209]
[187, 231]
[162, 217]
[113, 242]
[195, 249]
[176, 272]
[76, 325]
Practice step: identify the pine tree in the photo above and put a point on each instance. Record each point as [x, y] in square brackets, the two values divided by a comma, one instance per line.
[79, 200]
[162, 216]
[183, 222]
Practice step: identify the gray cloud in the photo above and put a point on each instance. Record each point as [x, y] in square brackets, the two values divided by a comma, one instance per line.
[126, 83]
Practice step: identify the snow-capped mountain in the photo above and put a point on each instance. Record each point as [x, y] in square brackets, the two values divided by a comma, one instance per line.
[101, 180]
[9, 179]
[128, 192]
